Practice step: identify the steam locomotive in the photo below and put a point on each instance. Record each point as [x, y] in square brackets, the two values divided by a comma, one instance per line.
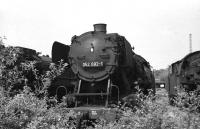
[102, 70]
[184, 75]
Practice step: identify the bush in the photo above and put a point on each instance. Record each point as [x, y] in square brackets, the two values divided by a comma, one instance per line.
[28, 108]
[154, 114]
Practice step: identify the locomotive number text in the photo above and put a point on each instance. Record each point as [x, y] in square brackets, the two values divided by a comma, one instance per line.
[93, 64]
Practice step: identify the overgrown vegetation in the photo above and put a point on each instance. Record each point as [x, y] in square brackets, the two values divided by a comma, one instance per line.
[29, 108]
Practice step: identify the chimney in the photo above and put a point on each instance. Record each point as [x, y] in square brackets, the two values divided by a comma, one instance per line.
[100, 28]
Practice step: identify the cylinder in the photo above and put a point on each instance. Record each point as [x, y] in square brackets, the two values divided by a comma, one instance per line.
[100, 28]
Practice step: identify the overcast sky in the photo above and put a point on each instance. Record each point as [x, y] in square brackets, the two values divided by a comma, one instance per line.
[158, 29]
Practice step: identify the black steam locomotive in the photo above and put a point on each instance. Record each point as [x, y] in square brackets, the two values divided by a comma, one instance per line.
[102, 70]
[184, 74]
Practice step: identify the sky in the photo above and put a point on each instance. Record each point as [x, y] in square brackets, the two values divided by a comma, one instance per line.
[158, 29]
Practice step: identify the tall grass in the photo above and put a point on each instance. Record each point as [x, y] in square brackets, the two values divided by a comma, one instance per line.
[29, 108]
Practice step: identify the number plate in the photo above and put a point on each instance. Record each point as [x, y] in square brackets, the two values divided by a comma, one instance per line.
[93, 64]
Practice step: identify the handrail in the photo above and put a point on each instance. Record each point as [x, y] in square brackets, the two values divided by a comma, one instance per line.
[90, 94]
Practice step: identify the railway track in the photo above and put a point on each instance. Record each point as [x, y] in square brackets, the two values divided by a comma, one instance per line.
[162, 96]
